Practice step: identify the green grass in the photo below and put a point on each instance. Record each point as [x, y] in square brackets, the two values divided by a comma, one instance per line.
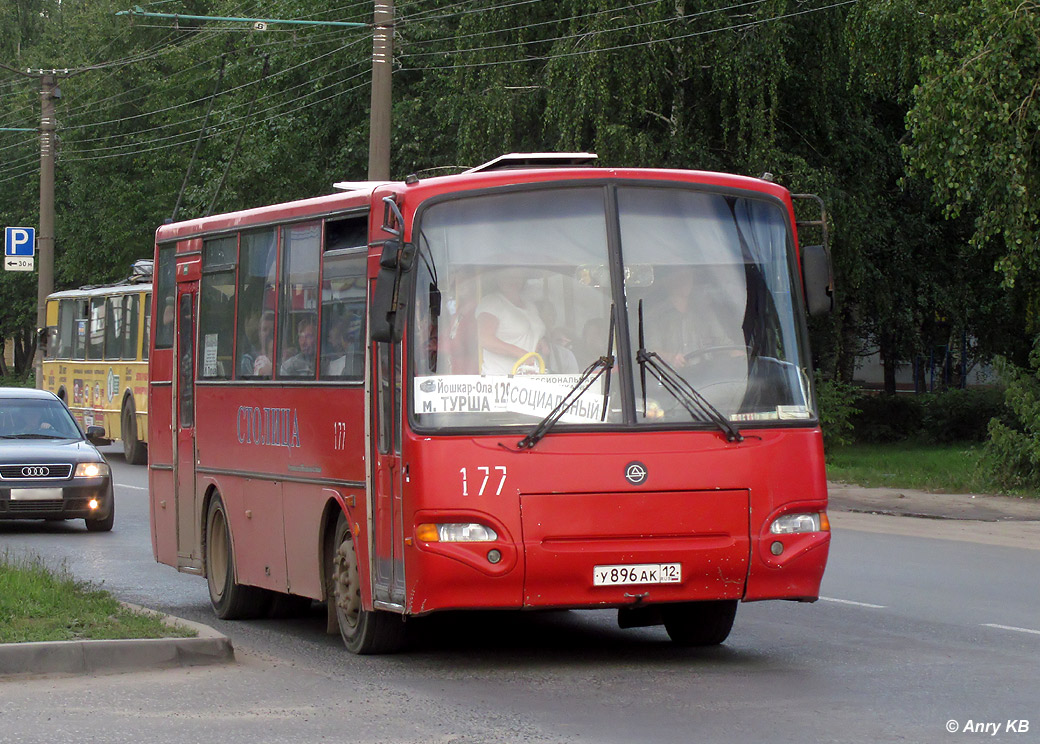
[949, 468]
[41, 604]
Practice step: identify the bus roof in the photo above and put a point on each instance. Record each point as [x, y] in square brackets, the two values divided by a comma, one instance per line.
[505, 171]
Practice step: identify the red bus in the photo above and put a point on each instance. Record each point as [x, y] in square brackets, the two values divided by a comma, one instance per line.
[525, 386]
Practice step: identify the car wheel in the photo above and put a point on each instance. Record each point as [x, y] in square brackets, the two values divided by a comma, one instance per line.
[103, 525]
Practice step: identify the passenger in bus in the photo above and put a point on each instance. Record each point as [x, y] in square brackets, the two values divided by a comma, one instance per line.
[168, 315]
[258, 361]
[509, 327]
[344, 354]
[302, 363]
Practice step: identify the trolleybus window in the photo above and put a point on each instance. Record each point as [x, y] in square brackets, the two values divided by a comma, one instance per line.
[115, 328]
[81, 322]
[131, 305]
[298, 303]
[96, 344]
[254, 355]
[66, 328]
[217, 308]
[147, 325]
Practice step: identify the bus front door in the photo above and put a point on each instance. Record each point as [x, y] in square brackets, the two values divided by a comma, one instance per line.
[184, 418]
[388, 528]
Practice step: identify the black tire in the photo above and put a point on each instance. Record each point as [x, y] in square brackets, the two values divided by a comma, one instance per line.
[363, 631]
[700, 623]
[230, 600]
[135, 451]
[103, 525]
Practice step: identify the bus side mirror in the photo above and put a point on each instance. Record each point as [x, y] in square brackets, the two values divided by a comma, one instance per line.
[388, 305]
[817, 279]
[43, 336]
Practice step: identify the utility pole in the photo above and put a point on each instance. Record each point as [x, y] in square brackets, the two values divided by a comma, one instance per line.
[379, 118]
[45, 238]
[45, 235]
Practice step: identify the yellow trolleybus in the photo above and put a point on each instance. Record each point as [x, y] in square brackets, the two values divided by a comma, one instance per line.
[97, 357]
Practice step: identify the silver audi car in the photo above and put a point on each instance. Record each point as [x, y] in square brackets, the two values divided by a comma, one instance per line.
[48, 468]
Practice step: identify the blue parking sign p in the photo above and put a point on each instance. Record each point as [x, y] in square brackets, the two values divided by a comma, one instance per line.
[19, 241]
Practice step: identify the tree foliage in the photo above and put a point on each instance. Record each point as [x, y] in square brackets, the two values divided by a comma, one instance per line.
[157, 114]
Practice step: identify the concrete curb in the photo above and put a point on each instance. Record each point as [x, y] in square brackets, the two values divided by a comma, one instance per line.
[90, 657]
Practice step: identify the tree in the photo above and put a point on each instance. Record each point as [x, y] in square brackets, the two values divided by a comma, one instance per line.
[974, 120]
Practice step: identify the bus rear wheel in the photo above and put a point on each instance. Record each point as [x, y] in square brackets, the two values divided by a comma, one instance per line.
[135, 451]
[363, 631]
[230, 600]
[700, 623]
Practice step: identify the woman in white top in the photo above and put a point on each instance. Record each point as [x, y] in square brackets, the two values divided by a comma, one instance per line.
[508, 325]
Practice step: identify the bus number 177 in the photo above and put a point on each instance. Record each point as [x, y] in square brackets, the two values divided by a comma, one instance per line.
[486, 470]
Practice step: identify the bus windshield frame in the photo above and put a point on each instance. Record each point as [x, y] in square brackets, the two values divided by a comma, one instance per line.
[706, 277]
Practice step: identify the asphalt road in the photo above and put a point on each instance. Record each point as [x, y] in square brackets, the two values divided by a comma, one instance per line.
[918, 630]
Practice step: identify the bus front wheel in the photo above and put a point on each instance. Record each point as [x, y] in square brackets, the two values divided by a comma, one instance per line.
[134, 449]
[700, 623]
[363, 631]
[231, 600]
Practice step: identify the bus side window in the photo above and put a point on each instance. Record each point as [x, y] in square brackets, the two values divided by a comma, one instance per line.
[254, 336]
[343, 316]
[216, 308]
[298, 301]
[165, 286]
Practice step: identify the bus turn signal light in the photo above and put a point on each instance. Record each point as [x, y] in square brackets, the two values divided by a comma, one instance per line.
[455, 533]
[789, 524]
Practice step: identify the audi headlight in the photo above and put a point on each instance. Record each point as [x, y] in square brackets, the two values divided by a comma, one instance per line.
[791, 523]
[91, 470]
[455, 533]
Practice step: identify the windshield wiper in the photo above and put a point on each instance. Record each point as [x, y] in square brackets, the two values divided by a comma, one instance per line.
[587, 379]
[699, 407]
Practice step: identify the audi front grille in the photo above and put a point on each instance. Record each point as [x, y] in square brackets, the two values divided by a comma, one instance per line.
[36, 471]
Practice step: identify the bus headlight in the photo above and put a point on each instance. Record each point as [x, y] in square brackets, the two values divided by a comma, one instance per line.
[91, 470]
[455, 533]
[789, 524]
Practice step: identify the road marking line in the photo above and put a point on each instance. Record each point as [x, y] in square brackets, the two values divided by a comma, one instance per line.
[850, 602]
[1011, 627]
[136, 488]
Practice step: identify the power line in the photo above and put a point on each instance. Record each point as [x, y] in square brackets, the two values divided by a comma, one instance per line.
[584, 34]
[647, 43]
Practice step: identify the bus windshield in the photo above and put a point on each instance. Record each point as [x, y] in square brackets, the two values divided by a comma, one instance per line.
[515, 296]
